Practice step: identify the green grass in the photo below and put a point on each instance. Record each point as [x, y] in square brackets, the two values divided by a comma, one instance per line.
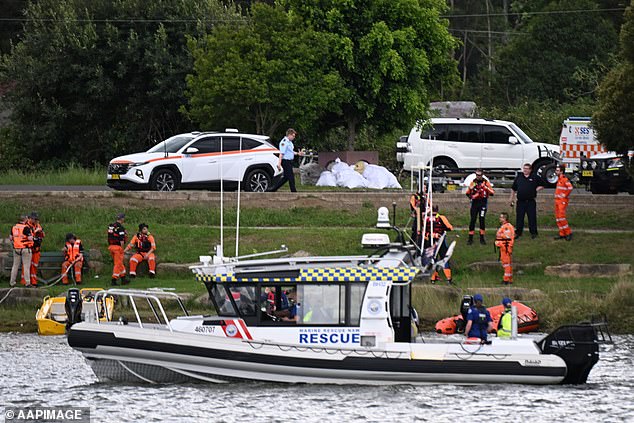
[70, 175]
[184, 232]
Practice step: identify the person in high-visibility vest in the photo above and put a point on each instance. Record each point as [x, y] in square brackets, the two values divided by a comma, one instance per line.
[505, 325]
[145, 246]
[22, 242]
[73, 257]
[478, 192]
[504, 240]
[562, 195]
[436, 226]
[117, 237]
[38, 236]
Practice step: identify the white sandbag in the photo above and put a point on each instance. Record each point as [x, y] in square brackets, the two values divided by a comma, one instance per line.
[351, 179]
[327, 179]
[340, 167]
[379, 177]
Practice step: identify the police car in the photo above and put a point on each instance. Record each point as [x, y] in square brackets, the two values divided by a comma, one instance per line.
[199, 160]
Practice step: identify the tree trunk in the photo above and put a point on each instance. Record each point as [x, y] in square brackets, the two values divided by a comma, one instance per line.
[352, 132]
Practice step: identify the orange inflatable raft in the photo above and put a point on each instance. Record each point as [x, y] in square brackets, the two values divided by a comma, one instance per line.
[527, 320]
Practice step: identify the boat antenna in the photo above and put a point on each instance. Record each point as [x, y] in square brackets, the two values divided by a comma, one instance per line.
[238, 208]
[222, 208]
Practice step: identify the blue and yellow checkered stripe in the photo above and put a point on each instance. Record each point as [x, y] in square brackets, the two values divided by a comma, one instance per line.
[345, 274]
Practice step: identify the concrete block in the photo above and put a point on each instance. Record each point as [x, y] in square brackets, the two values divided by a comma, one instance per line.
[589, 270]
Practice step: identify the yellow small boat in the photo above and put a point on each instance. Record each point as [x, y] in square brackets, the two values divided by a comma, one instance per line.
[51, 317]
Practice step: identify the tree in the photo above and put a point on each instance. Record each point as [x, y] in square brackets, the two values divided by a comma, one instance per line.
[91, 80]
[548, 53]
[394, 56]
[614, 118]
[267, 72]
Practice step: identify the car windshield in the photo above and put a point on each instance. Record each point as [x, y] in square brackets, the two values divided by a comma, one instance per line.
[171, 145]
[525, 138]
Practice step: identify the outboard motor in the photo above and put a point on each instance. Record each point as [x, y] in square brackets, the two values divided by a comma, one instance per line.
[465, 305]
[578, 346]
[73, 307]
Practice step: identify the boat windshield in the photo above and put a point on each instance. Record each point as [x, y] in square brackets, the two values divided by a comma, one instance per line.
[525, 138]
[171, 145]
[303, 304]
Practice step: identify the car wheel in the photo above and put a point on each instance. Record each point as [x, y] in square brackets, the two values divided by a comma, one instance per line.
[443, 165]
[257, 180]
[547, 173]
[164, 180]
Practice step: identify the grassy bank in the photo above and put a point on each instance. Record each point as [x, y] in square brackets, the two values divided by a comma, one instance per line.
[184, 232]
[70, 175]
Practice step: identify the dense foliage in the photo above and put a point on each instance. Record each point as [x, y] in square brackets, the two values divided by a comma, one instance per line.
[86, 80]
[91, 80]
[614, 118]
[263, 75]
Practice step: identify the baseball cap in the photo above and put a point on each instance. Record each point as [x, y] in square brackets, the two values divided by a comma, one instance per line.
[478, 297]
[120, 216]
[34, 215]
[506, 300]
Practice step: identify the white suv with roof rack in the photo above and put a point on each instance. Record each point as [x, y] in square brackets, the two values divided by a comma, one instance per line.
[467, 144]
[199, 160]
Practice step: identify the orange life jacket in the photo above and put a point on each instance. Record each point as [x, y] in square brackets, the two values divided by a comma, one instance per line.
[38, 236]
[19, 239]
[441, 225]
[144, 243]
[72, 250]
[479, 190]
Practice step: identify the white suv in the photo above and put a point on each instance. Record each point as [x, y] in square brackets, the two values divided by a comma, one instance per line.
[199, 160]
[468, 144]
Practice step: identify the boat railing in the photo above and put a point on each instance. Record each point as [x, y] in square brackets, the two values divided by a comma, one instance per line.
[153, 299]
[294, 263]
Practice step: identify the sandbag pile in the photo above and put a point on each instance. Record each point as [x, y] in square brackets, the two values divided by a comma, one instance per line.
[360, 175]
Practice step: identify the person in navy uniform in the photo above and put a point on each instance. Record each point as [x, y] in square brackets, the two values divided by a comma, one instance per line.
[525, 186]
[287, 154]
[479, 321]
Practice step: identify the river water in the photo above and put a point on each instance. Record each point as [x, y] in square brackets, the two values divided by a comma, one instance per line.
[44, 371]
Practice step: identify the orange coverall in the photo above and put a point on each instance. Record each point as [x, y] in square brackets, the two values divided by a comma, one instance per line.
[36, 253]
[72, 257]
[562, 193]
[143, 255]
[504, 240]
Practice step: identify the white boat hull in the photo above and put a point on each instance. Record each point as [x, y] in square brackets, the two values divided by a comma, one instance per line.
[129, 353]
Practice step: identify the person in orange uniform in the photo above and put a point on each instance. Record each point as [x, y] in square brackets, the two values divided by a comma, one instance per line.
[73, 258]
[38, 236]
[117, 237]
[478, 192]
[145, 246]
[440, 226]
[22, 242]
[504, 240]
[562, 195]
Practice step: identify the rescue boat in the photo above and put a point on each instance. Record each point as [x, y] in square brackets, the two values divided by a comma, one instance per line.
[527, 319]
[52, 317]
[345, 320]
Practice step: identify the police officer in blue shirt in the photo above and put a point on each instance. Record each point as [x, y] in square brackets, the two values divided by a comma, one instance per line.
[479, 320]
[287, 154]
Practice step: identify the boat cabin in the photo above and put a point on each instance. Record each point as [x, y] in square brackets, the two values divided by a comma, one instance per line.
[355, 305]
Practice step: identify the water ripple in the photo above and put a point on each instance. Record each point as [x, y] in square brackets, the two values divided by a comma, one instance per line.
[45, 371]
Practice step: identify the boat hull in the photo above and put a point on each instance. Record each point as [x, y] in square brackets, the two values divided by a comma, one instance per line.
[134, 355]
